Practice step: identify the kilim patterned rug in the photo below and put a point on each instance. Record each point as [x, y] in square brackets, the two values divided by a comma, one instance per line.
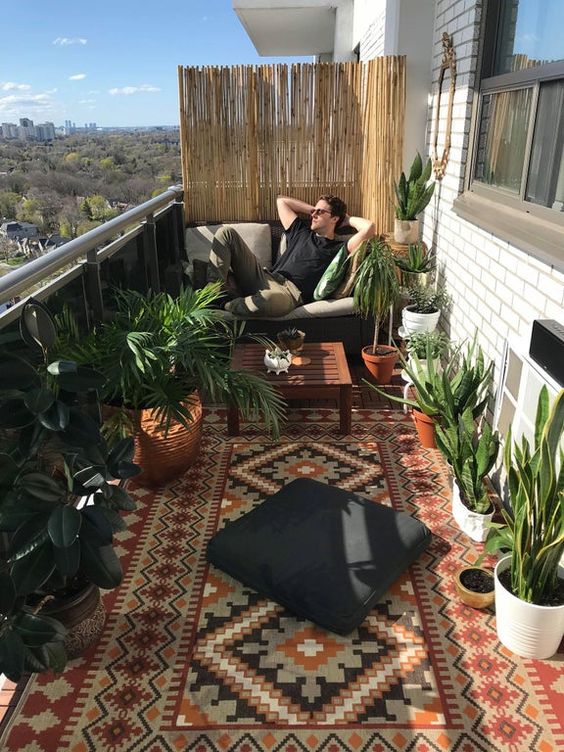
[192, 660]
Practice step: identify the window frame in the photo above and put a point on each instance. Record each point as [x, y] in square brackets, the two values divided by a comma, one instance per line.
[536, 229]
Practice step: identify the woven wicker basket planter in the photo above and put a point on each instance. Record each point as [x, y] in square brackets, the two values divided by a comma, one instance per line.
[161, 456]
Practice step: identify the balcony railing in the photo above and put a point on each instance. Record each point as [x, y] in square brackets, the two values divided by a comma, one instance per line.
[141, 249]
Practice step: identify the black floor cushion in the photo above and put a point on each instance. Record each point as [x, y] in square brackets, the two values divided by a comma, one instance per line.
[321, 552]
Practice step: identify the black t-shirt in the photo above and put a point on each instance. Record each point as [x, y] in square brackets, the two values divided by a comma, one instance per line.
[306, 258]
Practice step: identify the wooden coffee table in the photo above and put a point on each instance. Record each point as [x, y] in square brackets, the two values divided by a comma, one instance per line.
[326, 376]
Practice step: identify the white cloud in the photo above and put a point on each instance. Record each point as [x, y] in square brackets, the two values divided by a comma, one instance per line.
[26, 105]
[10, 86]
[128, 90]
[77, 77]
[65, 41]
[94, 91]
[86, 101]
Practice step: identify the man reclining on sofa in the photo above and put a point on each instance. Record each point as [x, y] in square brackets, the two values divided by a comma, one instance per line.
[292, 281]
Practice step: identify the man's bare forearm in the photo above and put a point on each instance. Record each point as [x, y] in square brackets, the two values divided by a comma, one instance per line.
[297, 206]
[365, 229]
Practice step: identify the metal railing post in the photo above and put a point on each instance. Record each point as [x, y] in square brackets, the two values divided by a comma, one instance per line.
[150, 253]
[93, 287]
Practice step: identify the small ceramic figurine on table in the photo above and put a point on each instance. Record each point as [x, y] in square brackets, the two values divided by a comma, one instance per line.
[277, 361]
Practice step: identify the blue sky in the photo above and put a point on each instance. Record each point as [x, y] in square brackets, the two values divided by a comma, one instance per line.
[112, 63]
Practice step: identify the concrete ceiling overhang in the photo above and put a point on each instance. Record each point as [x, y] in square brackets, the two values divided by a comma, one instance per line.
[289, 27]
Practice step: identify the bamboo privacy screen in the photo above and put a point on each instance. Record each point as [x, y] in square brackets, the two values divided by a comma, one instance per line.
[250, 133]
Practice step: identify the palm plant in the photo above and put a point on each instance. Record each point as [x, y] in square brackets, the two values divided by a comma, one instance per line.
[533, 529]
[377, 286]
[158, 349]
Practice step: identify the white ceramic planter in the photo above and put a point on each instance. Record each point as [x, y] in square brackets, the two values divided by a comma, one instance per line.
[277, 363]
[473, 524]
[423, 364]
[406, 230]
[419, 322]
[528, 630]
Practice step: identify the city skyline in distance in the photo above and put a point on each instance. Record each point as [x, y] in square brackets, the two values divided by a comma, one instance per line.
[114, 64]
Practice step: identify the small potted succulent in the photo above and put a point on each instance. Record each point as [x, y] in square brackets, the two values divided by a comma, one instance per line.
[277, 360]
[422, 314]
[413, 193]
[420, 342]
[415, 264]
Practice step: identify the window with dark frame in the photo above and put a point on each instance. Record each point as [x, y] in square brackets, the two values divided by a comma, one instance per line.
[518, 154]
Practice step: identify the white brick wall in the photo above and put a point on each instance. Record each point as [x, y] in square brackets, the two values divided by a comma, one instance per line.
[496, 288]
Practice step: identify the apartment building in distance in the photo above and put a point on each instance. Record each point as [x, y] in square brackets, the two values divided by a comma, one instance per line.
[27, 131]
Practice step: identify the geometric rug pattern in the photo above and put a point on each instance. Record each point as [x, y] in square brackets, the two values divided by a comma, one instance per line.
[190, 659]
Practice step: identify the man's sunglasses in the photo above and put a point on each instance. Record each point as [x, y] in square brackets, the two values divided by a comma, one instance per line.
[314, 212]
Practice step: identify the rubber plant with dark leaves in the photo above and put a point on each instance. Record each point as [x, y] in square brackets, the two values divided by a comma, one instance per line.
[53, 457]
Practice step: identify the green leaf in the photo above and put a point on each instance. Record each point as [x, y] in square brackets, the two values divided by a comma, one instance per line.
[59, 367]
[12, 654]
[36, 630]
[64, 525]
[30, 535]
[67, 560]
[81, 430]
[14, 414]
[37, 326]
[57, 656]
[34, 569]
[100, 564]
[7, 594]
[42, 486]
[121, 499]
[82, 380]
[16, 373]
[122, 451]
[91, 477]
[56, 418]
[8, 469]
[39, 400]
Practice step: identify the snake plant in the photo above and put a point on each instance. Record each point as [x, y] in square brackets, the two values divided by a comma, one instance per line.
[413, 193]
[533, 530]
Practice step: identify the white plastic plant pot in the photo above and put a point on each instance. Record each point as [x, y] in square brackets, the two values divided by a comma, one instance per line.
[528, 630]
[419, 322]
[475, 525]
[423, 364]
[277, 363]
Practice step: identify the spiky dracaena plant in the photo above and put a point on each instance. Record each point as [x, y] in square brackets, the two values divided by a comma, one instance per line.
[412, 193]
[376, 287]
[534, 528]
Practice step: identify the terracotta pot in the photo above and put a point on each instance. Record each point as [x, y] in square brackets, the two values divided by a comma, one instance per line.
[406, 230]
[83, 615]
[474, 598]
[425, 428]
[164, 455]
[381, 367]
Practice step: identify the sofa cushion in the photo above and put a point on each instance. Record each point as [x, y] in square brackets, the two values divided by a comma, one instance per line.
[322, 552]
[316, 309]
[255, 235]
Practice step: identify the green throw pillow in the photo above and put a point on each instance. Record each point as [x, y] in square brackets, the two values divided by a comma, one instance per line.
[333, 275]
